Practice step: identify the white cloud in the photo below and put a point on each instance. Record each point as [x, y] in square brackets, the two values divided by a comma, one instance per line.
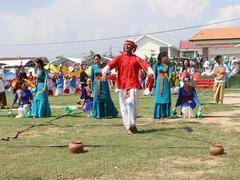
[227, 13]
[62, 20]
[182, 9]
[65, 20]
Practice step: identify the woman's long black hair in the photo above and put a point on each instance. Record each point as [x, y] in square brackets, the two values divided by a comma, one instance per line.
[40, 62]
[184, 68]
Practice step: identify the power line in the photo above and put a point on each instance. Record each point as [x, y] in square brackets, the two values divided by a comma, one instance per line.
[118, 37]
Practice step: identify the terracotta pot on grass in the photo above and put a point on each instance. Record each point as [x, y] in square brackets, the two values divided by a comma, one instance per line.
[75, 147]
[216, 149]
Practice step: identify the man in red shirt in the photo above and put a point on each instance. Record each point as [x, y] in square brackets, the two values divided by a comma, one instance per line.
[128, 65]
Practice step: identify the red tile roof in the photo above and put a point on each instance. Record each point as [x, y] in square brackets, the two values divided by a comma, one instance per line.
[187, 45]
[217, 34]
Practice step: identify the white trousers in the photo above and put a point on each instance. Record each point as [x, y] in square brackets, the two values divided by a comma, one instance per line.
[22, 111]
[128, 107]
[72, 90]
[59, 91]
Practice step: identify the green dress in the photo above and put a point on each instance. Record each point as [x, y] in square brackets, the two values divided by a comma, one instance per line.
[102, 102]
[162, 99]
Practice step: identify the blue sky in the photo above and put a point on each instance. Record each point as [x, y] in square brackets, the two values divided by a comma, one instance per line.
[26, 21]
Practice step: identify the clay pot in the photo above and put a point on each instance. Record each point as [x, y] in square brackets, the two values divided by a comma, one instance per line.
[75, 147]
[216, 149]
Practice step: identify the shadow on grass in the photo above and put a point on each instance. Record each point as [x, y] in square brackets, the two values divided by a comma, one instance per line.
[113, 146]
[85, 125]
[186, 128]
[236, 115]
[219, 106]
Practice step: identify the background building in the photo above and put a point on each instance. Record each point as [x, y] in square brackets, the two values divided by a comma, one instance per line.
[218, 41]
[149, 46]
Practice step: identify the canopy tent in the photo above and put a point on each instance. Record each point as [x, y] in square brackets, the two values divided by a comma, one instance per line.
[90, 62]
[76, 60]
[15, 63]
[67, 61]
[70, 61]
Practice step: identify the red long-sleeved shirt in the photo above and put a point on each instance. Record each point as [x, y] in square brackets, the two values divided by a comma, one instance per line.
[128, 70]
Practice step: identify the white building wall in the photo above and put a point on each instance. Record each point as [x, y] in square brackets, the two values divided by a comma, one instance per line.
[173, 52]
[224, 52]
[147, 47]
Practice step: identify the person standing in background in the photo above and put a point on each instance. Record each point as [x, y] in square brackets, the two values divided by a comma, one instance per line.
[83, 76]
[219, 71]
[72, 85]
[22, 74]
[3, 84]
[59, 83]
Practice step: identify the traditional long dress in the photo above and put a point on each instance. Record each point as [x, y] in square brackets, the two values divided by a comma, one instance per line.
[41, 107]
[102, 101]
[187, 97]
[162, 98]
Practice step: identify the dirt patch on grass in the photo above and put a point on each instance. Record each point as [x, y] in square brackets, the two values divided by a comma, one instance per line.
[231, 98]
[174, 172]
[206, 162]
[183, 167]
[41, 132]
[221, 118]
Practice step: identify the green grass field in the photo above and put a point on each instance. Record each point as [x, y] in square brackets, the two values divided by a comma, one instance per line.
[162, 150]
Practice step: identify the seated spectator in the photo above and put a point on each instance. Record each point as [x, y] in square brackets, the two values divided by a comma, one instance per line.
[207, 71]
[234, 69]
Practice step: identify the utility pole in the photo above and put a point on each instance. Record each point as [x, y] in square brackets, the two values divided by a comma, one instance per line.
[110, 51]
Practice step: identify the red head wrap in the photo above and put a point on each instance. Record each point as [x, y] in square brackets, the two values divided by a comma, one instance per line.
[132, 43]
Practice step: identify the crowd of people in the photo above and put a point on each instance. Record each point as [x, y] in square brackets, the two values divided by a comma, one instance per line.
[161, 78]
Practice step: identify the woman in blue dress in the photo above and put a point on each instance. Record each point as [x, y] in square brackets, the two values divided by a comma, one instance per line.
[40, 106]
[162, 100]
[102, 102]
